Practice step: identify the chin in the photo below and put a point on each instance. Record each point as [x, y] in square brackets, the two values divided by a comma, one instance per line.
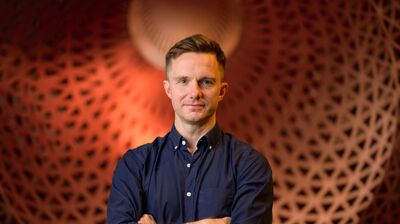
[191, 119]
[194, 120]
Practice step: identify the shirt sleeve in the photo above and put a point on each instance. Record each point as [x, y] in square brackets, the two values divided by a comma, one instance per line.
[254, 191]
[126, 195]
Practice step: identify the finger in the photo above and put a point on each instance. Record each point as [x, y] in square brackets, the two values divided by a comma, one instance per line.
[146, 219]
[227, 220]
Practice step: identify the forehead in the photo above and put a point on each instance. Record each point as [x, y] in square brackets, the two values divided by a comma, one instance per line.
[194, 63]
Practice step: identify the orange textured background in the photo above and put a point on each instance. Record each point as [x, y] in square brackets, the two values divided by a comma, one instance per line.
[314, 85]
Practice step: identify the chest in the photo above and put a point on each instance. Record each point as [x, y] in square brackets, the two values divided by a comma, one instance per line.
[188, 188]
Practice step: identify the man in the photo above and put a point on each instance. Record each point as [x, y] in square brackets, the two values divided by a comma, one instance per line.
[196, 173]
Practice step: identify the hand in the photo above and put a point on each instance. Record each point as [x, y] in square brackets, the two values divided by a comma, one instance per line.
[225, 220]
[147, 219]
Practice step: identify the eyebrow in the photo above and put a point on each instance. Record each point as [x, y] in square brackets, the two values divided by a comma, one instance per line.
[180, 77]
[202, 77]
[207, 78]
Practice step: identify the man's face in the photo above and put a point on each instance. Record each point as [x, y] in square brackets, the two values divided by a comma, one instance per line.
[194, 85]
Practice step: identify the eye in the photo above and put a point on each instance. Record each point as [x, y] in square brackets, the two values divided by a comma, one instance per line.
[182, 81]
[207, 82]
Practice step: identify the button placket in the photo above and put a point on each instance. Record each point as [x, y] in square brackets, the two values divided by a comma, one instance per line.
[189, 190]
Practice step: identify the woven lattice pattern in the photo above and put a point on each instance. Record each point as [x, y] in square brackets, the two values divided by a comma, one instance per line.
[314, 85]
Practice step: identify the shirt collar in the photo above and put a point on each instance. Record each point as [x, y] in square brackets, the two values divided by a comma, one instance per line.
[211, 137]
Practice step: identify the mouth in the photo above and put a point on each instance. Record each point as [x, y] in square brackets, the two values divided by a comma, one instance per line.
[194, 105]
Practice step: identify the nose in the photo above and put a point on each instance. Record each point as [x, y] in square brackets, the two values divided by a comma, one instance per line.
[195, 90]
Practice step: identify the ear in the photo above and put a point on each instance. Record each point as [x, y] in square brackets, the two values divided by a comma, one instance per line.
[222, 91]
[167, 88]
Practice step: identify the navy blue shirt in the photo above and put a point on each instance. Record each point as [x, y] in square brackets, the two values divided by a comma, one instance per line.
[224, 177]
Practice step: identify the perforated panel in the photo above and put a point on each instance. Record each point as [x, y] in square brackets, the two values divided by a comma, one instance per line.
[313, 85]
[325, 107]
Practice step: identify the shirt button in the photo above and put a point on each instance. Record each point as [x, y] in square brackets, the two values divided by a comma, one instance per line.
[188, 194]
[183, 142]
[188, 165]
[210, 147]
[176, 147]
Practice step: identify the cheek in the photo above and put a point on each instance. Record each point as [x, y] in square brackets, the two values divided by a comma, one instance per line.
[214, 96]
[177, 95]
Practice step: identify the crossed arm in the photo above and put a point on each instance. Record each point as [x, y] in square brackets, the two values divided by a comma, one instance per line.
[252, 202]
[148, 219]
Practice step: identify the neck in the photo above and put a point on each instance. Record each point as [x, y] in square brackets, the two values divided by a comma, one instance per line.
[192, 132]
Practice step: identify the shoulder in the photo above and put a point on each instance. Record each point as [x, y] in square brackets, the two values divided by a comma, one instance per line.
[240, 148]
[244, 155]
[139, 152]
[141, 155]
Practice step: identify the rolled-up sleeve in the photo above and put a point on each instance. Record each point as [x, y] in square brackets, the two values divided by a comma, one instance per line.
[126, 195]
[254, 192]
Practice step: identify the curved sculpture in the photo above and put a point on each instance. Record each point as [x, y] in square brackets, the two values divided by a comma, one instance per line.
[155, 26]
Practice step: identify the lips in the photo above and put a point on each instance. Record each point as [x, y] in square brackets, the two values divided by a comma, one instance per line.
[194, 105]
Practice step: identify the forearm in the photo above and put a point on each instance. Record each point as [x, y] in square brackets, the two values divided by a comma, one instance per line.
[225, 220]
[148, 219]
